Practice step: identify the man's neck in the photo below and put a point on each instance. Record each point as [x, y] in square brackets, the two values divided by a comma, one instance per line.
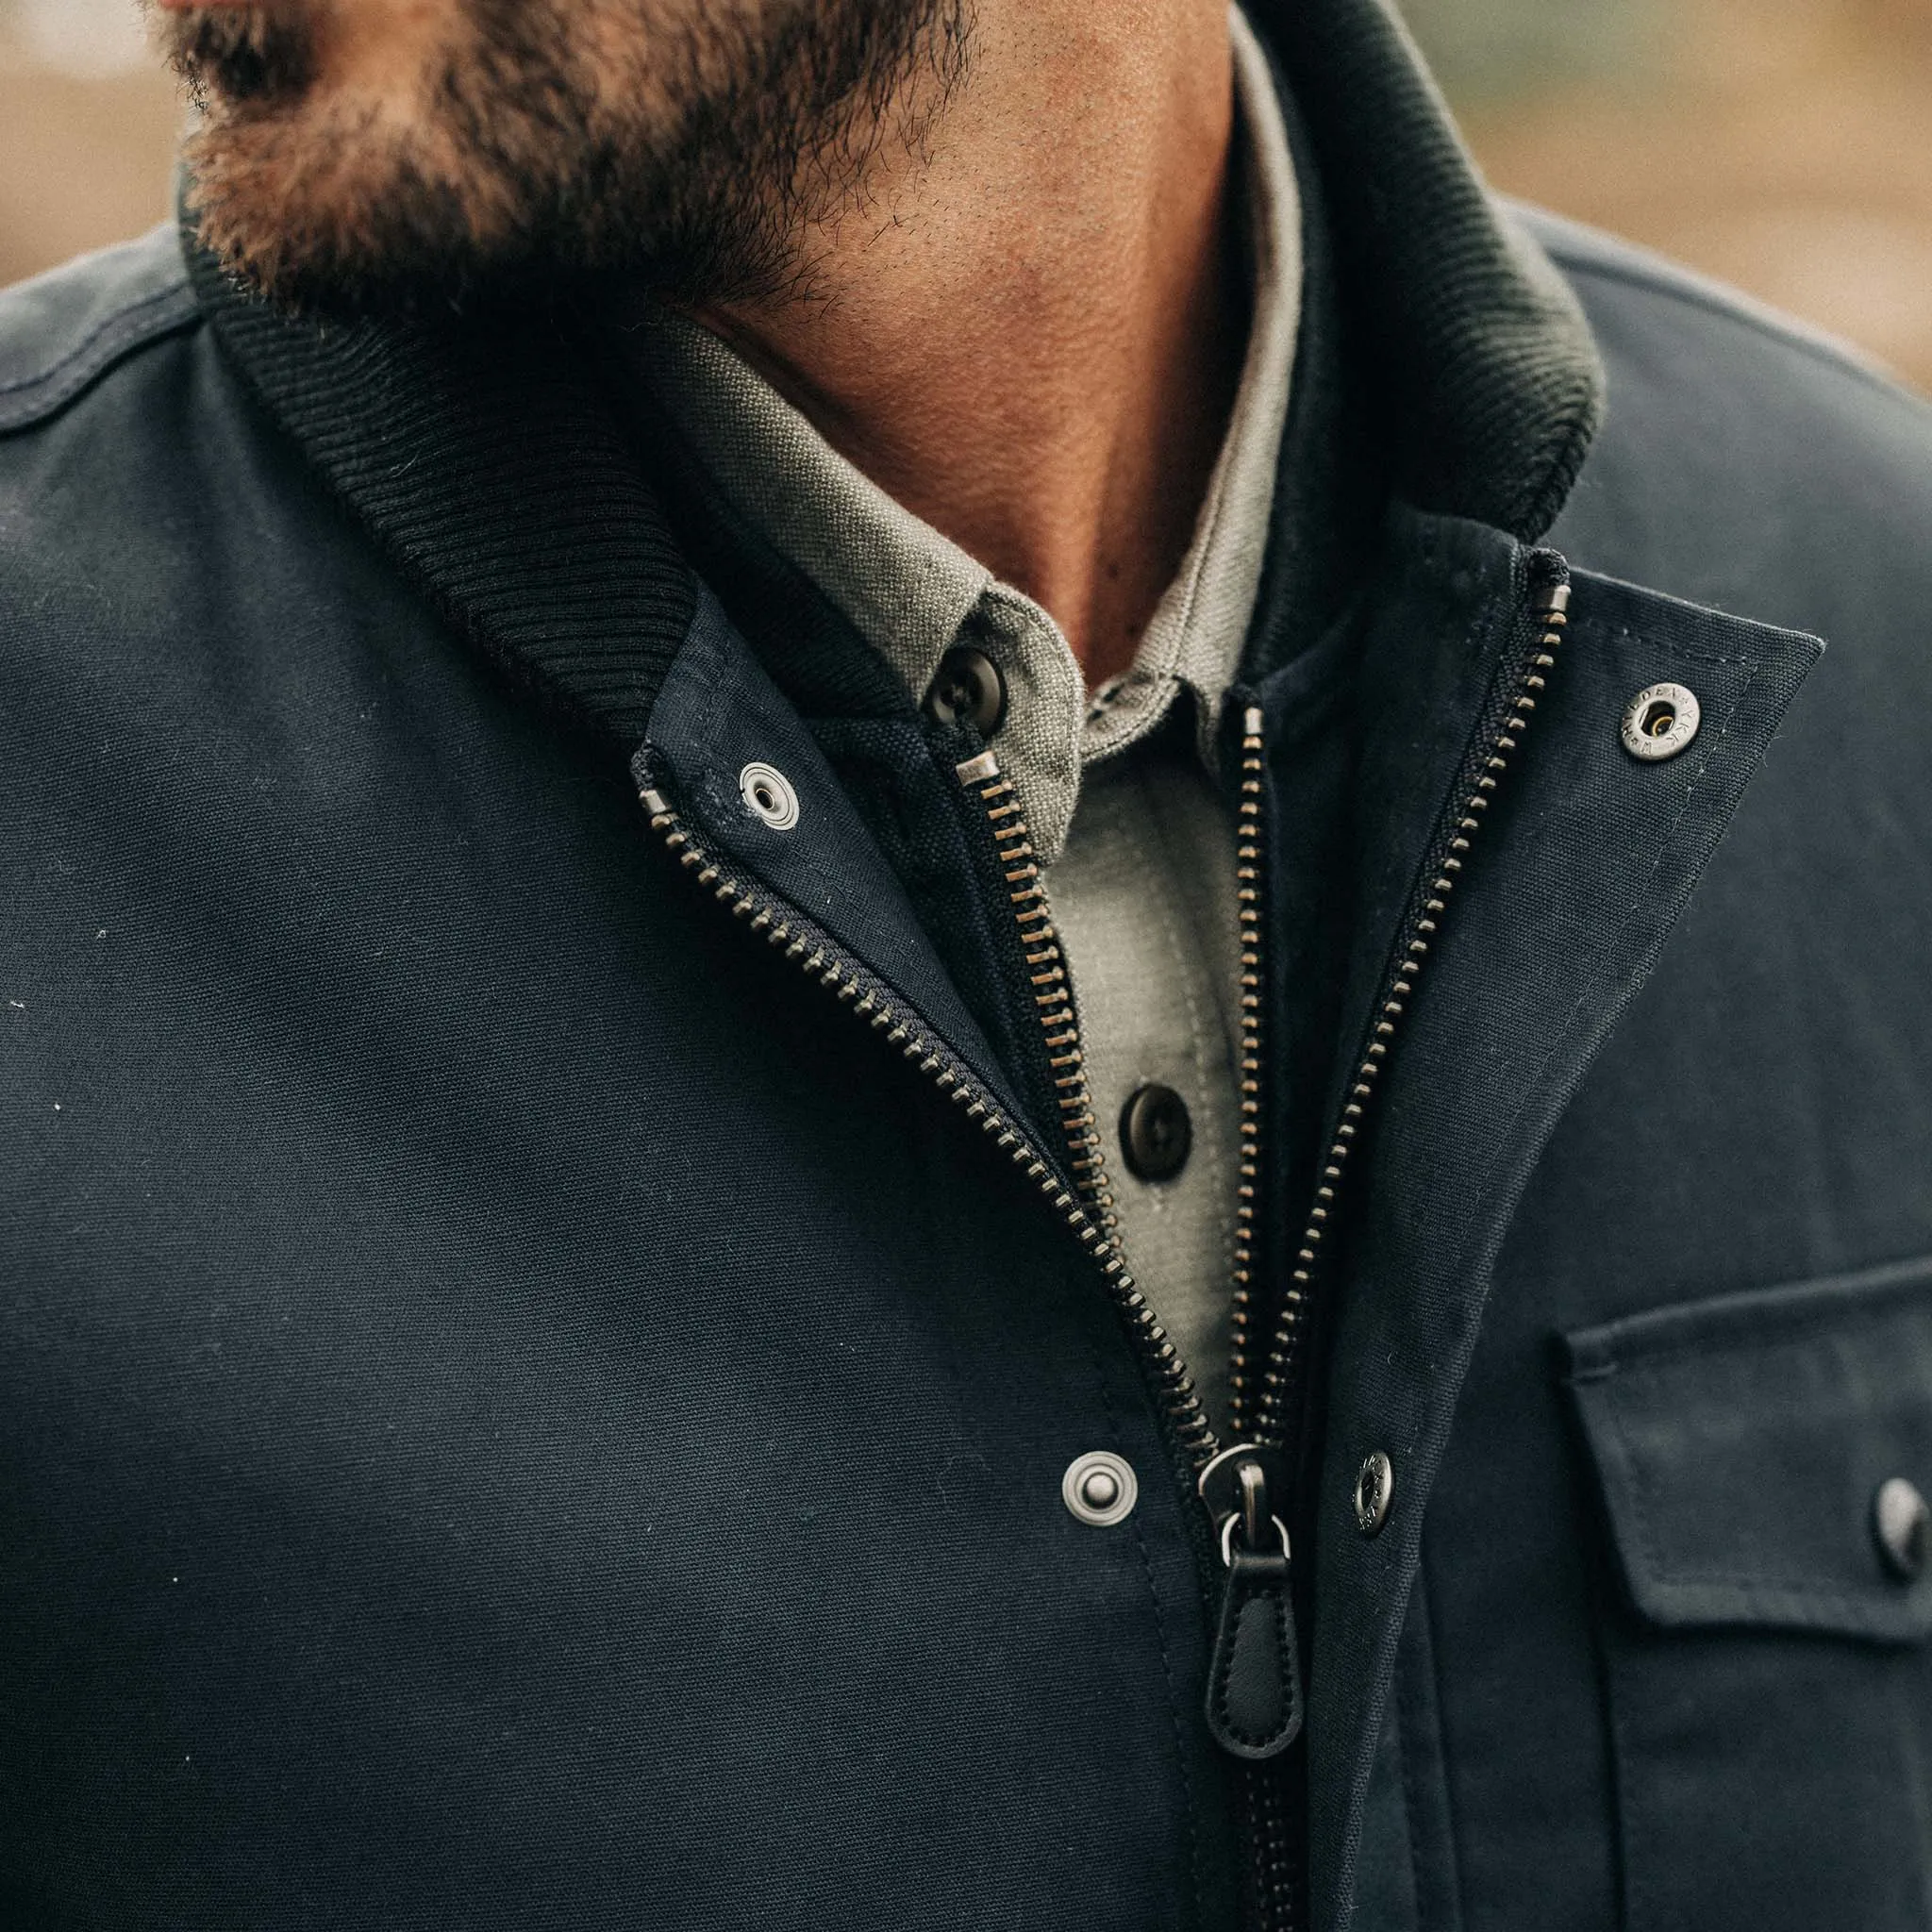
[1031, 334]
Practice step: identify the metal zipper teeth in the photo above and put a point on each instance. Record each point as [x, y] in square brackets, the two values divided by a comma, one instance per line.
[1274, 1868]
[868, 998]
[1049, 987]
[1270, 1413]
[1248, 845]
[1272, 1863]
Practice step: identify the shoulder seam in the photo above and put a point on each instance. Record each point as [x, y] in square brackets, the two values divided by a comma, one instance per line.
[28, 399]
[1845, 359]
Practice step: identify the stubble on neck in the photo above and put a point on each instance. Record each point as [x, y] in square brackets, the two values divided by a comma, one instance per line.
[1029, 328]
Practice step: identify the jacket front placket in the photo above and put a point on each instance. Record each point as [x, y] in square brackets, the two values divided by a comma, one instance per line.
[1511, 902]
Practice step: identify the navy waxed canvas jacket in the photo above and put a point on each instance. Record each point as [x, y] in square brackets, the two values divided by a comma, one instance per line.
[545, 1309]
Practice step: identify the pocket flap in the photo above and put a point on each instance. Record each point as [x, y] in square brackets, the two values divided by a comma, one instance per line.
[1742, 1442]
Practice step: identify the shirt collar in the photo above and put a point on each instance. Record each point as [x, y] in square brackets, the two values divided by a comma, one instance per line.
[909, 591]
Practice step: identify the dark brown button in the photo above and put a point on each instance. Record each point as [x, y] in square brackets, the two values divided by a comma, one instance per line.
[1903, 1525]
[1156, 1133]
[968, 689]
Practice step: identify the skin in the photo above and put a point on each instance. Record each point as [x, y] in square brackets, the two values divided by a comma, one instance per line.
[1023, 321]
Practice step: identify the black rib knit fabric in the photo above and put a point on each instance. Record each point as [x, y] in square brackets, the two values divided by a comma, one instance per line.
[1491, 384]
[488, 458]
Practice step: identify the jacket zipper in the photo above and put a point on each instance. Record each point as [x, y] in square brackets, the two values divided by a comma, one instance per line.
[1049, 986]
[1086, 1208]
[1265, 1409]
[1244, 1485]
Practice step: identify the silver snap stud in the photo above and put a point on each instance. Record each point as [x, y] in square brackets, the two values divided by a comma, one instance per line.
[768, 796]
[1100, 1487]
[1903, 1525]
[1374, 1491]
[1660, 722]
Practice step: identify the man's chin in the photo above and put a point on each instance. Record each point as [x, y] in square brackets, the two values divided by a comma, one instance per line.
[318, 217]
[242, 57]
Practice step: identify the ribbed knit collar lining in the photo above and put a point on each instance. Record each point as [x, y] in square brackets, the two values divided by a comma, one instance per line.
[489, 460]
[486, 455]
[1492, 386]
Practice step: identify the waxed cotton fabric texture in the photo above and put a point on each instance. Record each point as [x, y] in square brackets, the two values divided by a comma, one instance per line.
[439, 1391]
[505, 1398]
[1755, 1122]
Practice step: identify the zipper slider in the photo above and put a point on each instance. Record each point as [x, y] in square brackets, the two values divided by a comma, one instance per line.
[1253, 1702]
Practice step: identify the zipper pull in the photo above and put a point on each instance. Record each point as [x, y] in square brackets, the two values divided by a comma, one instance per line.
[1254, 1677]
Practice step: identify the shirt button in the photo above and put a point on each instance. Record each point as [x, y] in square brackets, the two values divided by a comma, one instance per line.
[968, 689]
[1157, 1134]
[1903, 1525]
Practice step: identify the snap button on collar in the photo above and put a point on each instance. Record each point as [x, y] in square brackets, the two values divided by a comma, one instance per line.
[1903, 1525]
[968, 689]
[1660, 722]
[768, 794]
[1100, 1489]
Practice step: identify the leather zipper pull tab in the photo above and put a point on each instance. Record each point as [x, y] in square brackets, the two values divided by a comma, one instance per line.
[1254, 1678]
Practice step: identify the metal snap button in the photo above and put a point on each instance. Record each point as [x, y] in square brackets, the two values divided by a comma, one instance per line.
[1100, 1487]
[1660, 722]
[1374, 1491]
[768, 796]
[1157, 1132]
[1903, 1525]
[968, 689]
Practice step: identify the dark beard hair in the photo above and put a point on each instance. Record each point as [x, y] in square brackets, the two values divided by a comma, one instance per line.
[773, 125]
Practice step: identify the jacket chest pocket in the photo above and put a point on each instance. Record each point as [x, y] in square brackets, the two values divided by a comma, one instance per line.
[1768, 1678]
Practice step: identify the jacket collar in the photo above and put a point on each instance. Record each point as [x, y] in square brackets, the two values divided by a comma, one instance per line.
[1492, 385]
[484, 453]
[485, 456]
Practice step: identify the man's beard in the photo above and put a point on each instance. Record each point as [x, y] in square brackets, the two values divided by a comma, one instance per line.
[690, 147]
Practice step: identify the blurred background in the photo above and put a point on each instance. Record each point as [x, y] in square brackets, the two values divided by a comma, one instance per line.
[1784, 145]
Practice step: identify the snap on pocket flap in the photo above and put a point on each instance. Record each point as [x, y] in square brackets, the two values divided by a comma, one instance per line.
[1742, 1444]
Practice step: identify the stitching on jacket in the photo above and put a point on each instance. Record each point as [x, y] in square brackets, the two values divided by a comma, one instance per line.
[1634, 276]
[1623, 633]
[1412, 1687]
[1278, 1607]
[1801, 1325]
[1453, 1843]
[1173, 1715]
[122, 329]
[1624, 1785]
[1412, 1815]
[1189, 1823]
[1641, 1508]
[1793, 1597]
